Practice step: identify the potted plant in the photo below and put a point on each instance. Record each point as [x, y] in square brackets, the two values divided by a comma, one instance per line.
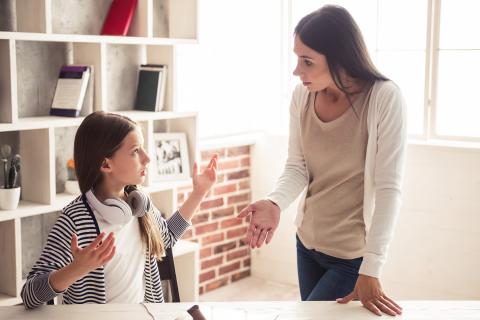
[71, 184]
[10, 190]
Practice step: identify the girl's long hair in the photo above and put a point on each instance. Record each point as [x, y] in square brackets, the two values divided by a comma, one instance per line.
[99, 136]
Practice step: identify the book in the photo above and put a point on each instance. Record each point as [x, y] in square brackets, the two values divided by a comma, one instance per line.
[70, 91]
[151, 87]
[119, 17]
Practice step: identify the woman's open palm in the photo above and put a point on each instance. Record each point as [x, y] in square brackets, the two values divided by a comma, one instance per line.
[265, 217]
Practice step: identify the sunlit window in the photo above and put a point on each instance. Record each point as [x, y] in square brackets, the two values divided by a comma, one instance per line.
[458, 106]
[395, 34]
[233, 77]
[240, 74]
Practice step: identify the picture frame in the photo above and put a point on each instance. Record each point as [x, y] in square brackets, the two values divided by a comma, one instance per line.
[170, 158]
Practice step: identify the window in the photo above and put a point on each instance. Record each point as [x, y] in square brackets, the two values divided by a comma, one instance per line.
[457, 104]
[240, 75]
[234, 76]
[396, 47]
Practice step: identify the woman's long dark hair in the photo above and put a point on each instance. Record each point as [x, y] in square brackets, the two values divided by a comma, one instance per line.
[331, 31]
[99, 136]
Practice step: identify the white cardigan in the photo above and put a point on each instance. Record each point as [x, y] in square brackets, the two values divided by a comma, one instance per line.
[384, 166]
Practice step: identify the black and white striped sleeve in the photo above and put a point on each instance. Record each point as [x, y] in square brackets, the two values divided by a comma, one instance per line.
[171, 229]
[55, 255]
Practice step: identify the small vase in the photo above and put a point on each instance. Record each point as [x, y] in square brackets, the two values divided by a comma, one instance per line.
[72, 187]
[9, 198]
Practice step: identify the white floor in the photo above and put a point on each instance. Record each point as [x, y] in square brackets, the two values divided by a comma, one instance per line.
[253, 288]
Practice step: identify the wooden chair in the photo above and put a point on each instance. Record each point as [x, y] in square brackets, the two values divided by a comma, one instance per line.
[166, 267]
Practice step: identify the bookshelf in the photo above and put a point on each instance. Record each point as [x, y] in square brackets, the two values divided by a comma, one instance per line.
[49, 34]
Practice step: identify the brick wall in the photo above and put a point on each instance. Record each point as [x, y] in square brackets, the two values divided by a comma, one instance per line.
[224, 257]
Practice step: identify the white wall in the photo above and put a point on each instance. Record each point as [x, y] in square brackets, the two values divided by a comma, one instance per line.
[435, 253]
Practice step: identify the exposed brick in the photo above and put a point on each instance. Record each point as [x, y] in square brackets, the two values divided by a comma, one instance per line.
[207, 154]
[243, 185]
[240, 275]
[225, 247]
[222, 213]
[220, 178]
[246, 262]
[206, 228]
[238, 254]
[200, 290]
[239, 198]
[216, 284]
[237, 232]
[231, 222]
[188, 234]
[238, 174]
[229, 188]
[205, 252]
[199, 218]
[237, 151]
[213, 238]
[229, 268]
[240, 207]
[229, 164]
[211, 204]
[212, 262]
[245, 162]
[207, 276]
[242, 242]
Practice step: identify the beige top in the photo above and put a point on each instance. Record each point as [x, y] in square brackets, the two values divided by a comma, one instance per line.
[335, 159]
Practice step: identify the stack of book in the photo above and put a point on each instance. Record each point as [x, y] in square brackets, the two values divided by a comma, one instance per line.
[71, 90]
[151, 87]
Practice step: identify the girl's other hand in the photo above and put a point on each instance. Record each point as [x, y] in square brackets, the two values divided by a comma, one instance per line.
[204, 181]
[93, 256]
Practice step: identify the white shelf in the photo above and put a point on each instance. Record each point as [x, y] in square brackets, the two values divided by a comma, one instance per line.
[45, 37]
[30, 61]
[6, 300]
[32, 123]
[183, 247]
[167, 185]
[29, 208]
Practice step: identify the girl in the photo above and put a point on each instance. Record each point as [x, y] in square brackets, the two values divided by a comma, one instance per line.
[80, 260]
[346, 150]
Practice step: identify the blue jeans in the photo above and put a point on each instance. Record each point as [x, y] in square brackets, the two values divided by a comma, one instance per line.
[324, 278]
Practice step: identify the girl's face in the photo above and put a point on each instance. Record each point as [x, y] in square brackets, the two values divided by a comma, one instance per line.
[312, 67]
[128, 166]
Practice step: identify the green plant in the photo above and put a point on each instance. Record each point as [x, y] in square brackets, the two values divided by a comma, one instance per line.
[10, 174]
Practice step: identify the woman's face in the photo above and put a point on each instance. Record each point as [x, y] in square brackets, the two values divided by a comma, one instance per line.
[312, 67]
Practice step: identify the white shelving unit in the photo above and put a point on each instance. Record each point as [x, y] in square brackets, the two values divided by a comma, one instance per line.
[51, 33]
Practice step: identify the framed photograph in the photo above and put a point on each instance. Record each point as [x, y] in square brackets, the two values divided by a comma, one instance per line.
[171, 157]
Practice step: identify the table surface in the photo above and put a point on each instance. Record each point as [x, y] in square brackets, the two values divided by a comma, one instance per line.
[264, 310]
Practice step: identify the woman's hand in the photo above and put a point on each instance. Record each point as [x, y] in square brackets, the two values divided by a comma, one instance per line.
[203, 182]
[93, 256]
[369, 291]
[263, 223]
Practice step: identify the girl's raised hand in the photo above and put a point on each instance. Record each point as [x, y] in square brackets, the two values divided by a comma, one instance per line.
[93, 256]
[204, 181]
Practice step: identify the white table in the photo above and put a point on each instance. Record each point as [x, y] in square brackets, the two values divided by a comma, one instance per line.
[280, 310]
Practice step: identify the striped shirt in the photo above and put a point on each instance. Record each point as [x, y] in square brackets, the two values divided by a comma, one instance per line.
[77, 217]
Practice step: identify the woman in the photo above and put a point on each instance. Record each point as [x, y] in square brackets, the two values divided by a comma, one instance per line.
[346, 150]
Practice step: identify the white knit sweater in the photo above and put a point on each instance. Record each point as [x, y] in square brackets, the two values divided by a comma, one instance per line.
[384, 166]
